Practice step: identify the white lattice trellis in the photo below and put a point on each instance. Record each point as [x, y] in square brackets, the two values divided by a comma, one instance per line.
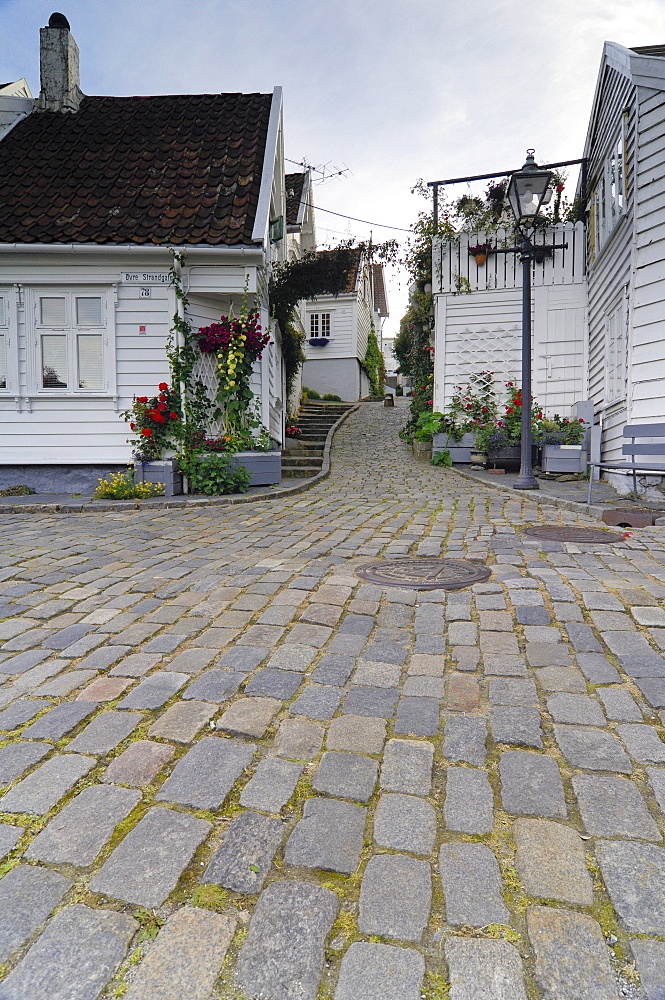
[205, 371]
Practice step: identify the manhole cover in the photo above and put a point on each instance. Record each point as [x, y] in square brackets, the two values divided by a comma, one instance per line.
[424, 574]
[585, 536]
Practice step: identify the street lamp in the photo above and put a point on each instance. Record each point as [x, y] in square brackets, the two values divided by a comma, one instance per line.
[527, 191]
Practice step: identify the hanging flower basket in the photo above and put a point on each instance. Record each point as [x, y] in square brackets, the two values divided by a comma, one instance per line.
[319, 341]
[479, 253]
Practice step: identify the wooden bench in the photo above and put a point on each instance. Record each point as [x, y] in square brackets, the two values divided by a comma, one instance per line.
[633, 449]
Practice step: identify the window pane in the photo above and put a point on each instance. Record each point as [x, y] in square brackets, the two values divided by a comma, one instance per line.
[325, 324]
[314, 325]
[88, 311]
[3, 311]
[3, 361]
[54, 362]
[52, 311]
[90, 361]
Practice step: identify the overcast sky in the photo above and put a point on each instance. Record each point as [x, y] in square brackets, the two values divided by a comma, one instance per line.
[392, 90]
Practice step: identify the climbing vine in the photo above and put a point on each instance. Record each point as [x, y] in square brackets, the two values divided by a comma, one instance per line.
[315, 273]
[374, 365]
[194, 405]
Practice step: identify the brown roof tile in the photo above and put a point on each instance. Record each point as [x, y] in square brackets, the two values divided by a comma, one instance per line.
[136, 170]
[294, 186]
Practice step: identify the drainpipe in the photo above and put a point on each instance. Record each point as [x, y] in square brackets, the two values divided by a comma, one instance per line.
[180, 313]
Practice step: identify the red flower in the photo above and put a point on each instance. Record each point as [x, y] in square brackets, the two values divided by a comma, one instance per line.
[560, 187]
[146, 432]
[142, 399]
[430, 402]
[581, 420]
[161, 406]
[159, 418]
[509, 410]
[163, 387]
[132, 427]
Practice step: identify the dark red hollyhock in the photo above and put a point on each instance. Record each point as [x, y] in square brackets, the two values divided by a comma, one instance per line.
[163, 387]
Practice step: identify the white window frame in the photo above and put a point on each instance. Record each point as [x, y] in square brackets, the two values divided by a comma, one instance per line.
[616, 348]
[608, 199]
[323, 323]
[71, 330]
[9, 332]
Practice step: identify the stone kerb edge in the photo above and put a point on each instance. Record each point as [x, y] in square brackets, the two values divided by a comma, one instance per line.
[100, 508]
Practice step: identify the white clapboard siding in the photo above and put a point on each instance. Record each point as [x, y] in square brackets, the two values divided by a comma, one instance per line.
[342, 327]
[42, 428]
[647, 402]
[610, 271]
[481, 330]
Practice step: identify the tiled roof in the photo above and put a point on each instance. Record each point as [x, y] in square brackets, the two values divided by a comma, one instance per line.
[649, 50]
[183, 169]
[294, 185]
[379, 290]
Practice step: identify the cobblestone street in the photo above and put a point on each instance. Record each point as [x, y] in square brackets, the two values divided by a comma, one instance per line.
[232, 769]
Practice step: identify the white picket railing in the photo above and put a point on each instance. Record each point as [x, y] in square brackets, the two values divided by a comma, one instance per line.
[453, 266]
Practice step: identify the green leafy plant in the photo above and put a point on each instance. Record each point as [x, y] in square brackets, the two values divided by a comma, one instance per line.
[427, 425]
[154, 421]
[442, 458]
[310, 393]
[561, 430]
[214, 474]
[121, 486]
[374, 365]
[331, 397]
[17, 491]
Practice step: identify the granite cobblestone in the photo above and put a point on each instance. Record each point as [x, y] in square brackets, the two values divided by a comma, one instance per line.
[371, 733]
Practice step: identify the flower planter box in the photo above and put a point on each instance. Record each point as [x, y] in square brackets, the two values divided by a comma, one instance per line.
[264, 467]
[509, 459]
[570, 458]
[460, 451]
[166, 471]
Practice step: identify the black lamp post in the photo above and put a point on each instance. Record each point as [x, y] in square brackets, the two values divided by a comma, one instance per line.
[526, 193]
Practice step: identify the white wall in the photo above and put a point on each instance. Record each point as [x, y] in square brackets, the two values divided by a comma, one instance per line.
[50, 427]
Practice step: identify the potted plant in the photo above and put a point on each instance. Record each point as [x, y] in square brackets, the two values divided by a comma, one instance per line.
[427, 425]
[155, 421]
[238, 343]
[563, 445]
[504, 441]
[479, 252]
[470, 408]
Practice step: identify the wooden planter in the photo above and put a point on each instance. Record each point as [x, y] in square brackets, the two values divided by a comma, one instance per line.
[570, 458]
[264, 467]
[509, 459]
[459, 451]
[166, 471]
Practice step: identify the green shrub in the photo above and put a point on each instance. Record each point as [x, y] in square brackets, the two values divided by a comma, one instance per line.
[214, 474]
[17, 491]
[310, 393]
[121, 486]
[331, 397]
[399, 391]
[442, 458]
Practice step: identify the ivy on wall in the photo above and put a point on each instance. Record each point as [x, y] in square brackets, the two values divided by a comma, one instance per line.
[374, 365]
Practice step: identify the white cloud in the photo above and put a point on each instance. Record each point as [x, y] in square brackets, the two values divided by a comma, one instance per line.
[396, 90]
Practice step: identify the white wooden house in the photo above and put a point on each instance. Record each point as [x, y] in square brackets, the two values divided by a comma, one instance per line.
[93, 193]
[625, 147]
[478, 317]
[337, 329]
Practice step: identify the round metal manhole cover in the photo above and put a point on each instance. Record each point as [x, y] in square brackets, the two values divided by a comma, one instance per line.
[424, 574]
[583, 536]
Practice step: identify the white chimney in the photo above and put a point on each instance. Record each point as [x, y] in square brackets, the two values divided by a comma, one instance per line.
[59, 67]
